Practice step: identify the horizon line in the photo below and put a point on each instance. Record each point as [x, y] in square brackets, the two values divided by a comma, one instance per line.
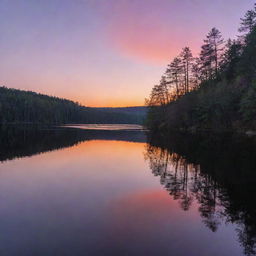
[64, 98]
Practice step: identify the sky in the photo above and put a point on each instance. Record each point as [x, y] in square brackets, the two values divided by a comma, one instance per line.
[104, 52]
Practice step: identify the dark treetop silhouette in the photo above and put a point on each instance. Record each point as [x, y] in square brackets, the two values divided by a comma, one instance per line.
[214, 91]
[17, 106]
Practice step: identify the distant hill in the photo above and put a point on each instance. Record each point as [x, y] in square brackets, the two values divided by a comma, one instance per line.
[139, 111]
[19, 106]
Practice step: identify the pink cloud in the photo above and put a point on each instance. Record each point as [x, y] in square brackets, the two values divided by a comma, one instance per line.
[149, 32]
[156, 30]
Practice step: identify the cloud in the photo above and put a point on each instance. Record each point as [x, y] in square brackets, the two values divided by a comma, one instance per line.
[156, 30]
[151, 31]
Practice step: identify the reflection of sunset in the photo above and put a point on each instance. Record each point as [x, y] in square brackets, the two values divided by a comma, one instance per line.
[145, 214]
[144, 207]
[111, 148]
[95, 152]
[101, 197]
[139, 210]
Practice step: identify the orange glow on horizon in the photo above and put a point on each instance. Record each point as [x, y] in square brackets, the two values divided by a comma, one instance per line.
[114, 104]
[109, 102]
[93, 102]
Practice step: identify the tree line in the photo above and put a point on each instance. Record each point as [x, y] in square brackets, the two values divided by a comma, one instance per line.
[18, 106]
[215, 89]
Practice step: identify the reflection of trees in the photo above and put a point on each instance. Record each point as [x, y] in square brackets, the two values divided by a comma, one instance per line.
[27, 140]
[221, 180]
[185, 183]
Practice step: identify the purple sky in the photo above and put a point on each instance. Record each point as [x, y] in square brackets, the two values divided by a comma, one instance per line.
[104, 52]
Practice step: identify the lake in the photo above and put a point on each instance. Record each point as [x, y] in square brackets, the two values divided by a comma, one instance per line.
[118, 191]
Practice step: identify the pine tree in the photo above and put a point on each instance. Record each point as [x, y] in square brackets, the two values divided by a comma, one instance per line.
[159, 95]
[174, 76]
[196, 73]
[248, 21]
[187, 58]
[205, 61]
[231, 58]
[211, 54]
[164, 92]
[216, 40]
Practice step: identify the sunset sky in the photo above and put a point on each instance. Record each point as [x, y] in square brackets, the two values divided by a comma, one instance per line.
[103, 52]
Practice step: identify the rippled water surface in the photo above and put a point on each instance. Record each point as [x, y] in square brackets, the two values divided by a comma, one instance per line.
[101, 192]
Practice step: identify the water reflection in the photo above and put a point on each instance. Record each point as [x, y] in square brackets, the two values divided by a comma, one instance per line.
[217, 173]
[28, 140]
[85, 192]
[106, 127]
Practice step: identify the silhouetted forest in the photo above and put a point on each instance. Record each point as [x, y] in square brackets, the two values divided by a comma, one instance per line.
[214, 91]
[17, 106]
[217, 172]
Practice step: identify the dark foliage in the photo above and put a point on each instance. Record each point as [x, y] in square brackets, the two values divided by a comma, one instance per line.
[222, 86]
[18, 106]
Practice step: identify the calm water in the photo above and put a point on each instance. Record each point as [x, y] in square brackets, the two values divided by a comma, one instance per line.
[106, 127]
[67, 191]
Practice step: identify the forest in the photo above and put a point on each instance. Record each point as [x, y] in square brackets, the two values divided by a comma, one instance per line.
[17, 106]
[215, 90]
